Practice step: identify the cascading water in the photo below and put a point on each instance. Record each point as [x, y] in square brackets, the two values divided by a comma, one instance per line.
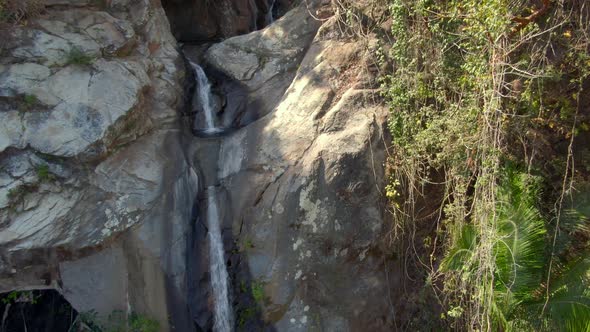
[204, 94]
[269, 16]
[218, 269]
[219, 276]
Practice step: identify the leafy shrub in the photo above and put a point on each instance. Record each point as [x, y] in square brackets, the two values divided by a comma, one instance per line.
[469, 79]
[520, 263]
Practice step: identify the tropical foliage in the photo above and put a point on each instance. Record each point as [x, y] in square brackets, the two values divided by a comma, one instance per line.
[488, 105]
[521, 263]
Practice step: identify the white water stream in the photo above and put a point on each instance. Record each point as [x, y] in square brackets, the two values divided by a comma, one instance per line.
[269, 16]
[205, 97]
[218, 269]
[219, 277]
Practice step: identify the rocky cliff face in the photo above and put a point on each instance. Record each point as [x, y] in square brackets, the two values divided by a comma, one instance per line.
[304, 181]
[205, 20]
[95, 190]
[99, 172]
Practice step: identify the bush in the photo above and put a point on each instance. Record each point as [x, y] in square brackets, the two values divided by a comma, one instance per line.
[476, 84]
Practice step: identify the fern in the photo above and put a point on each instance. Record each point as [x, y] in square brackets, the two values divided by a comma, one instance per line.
[520, 258]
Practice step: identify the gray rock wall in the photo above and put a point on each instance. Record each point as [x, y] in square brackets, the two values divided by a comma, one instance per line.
[99, 174]
[96, 194]
[305, 179]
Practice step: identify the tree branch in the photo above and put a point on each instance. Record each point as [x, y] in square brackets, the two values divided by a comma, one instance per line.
[524, 21]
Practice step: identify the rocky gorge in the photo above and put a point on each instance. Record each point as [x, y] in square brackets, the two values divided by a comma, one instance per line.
[109, 176]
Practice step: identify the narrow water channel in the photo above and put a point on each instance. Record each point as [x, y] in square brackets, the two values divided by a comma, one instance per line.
[218, 269]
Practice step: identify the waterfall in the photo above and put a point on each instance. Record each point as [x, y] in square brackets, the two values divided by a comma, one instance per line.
[205, 98]
[218, 270]
[269, 16]
[219, 276]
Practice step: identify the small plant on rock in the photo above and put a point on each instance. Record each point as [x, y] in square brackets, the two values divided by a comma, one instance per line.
[117, 321]
[249, 244]
[20, 296]
[27, 102]
[78, 57]
[258, 291]
[30, 100]
[245, 315]
[16, 195]
[43, 173]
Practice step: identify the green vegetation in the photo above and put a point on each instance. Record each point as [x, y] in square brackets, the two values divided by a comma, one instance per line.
[258, 291]
[22, 296]
[245, 315]
[28, 102]
[243, 287]
[78, 57]
[488, 119]
[247, 310]
[249, 244]
[43, 173]
[245, 245]
[27, 305]
[17, 194]
[117, 321]
[520, 264]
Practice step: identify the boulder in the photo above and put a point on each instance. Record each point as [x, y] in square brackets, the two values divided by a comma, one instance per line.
[96, 194]
[304, 181]
[258, 67]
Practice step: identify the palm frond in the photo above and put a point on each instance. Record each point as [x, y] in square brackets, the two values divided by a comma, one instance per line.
[462, 251]
[520, 248]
